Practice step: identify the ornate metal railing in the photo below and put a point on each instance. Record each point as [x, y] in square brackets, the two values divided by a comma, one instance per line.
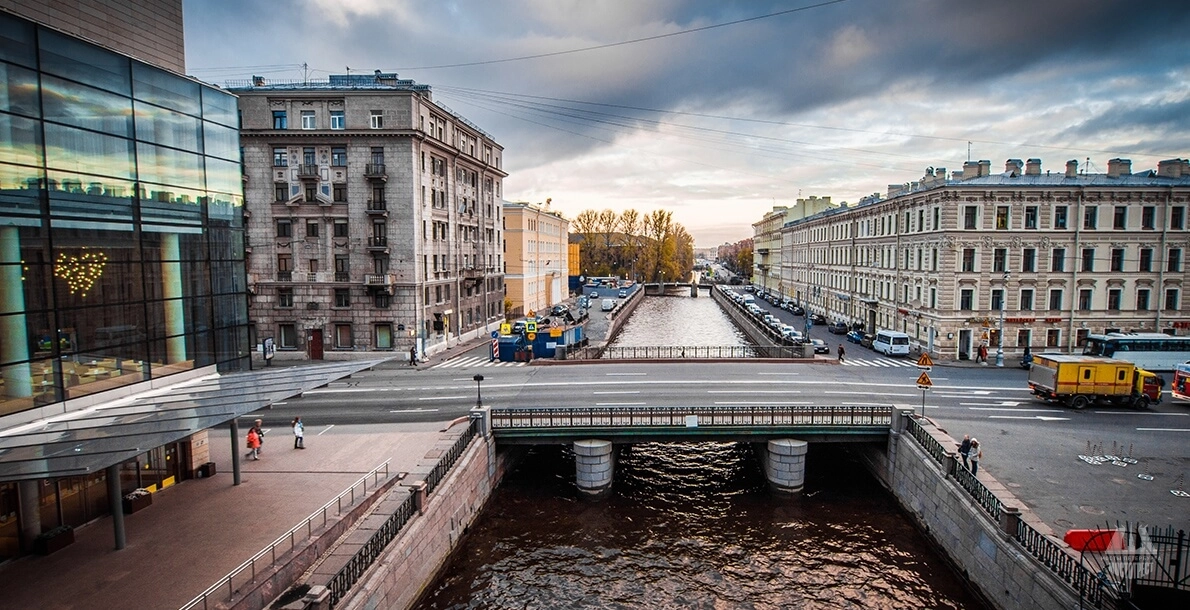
[447, 461]
[246, 572]
[670, 417]
[977, 490]
[687, 352]
[926, 440]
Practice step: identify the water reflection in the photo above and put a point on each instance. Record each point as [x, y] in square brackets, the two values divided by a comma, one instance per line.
[679, 321]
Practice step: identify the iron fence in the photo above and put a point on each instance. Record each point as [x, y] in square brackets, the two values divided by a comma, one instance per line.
[977, 490]
[926, 440]
[646, 417]
[447, 461]
[246, 572]
[686, 352]
[1171, 552]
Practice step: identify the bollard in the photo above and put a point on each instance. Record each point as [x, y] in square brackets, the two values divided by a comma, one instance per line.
[318, 598]
[419, 493]
[948, 463]
[1010, 518]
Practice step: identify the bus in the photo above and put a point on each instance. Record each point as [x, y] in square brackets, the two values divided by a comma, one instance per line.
[1149, 351]
[1181, 382]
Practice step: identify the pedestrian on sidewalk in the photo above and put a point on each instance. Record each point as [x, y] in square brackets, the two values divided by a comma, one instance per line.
[841, 352]
[259, 436]
[965, 449]
[299, 434]
[253, 444]
[413, 356]
[983, 353]
[975, 455]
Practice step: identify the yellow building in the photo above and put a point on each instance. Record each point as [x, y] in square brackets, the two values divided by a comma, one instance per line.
[535, 255]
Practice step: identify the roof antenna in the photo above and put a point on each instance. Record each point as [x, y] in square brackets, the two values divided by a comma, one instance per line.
[305, 74]
[968, 150]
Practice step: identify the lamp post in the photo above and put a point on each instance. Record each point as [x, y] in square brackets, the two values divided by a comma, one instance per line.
[478, 392]
[1000, 338]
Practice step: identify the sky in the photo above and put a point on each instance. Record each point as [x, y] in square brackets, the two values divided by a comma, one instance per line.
[720, 110]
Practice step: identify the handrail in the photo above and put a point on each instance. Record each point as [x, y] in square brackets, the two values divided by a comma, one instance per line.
[270, 551]
[708, 416]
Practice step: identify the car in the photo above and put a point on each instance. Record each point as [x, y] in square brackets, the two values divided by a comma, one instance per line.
[559, 310]
[820, 346]
[623, 293]
[749, 288]
[594, 295]
[867, 340]
[817, 318]
[608, 305]
[797, 311]
[855, 336]
[837, 328]
[518, 327]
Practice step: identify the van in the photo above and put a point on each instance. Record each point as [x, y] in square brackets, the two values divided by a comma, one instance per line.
[891, 343]
[749, 299]
[610, 304]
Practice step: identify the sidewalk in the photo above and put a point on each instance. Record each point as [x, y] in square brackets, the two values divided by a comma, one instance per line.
[198, 531]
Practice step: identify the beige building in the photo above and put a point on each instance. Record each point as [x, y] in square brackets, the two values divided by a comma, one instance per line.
[374, 217]
[1058, 254]
[772, 271]
[536, 253]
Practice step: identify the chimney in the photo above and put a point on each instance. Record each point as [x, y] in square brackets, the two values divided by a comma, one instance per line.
[1172, 168]
[257, 81]
[985, 168]
[1033, 167]
[1072, 168]
[1118, 167]
[1013, 167]
[970, 170]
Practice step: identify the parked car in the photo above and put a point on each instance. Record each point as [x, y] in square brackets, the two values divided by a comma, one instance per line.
[820, 346]
[837, 328]
[867, 340]
[817, 318]
[559, 310]
[518, 327]
[855, 336]
[594, 295]
[797, 311]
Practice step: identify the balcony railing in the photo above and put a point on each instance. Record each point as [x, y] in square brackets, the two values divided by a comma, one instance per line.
[378, 241]
[308, 172]
[342, 276]
[375, 171]
[377, 207]
[378, 279]
[284, 276]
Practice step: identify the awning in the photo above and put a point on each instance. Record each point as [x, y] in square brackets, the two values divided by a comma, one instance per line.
[91, 439]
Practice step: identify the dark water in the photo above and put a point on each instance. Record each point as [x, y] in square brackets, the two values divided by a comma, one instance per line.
[693, 526]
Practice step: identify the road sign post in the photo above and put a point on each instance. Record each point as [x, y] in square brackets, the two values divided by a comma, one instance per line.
[923, 384]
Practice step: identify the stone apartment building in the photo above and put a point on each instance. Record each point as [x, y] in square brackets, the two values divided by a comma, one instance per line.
[374, 217]
[537, 254]
[1063, 253]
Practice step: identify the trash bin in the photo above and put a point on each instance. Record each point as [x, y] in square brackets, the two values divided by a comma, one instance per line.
[205, 470]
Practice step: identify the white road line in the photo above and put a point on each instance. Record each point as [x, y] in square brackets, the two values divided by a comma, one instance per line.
[754, 392]
[280, 403]
[1163, 429]
[1036, 417]
[625, 374]
[414, 411]
[620, 404]
[623, 392]
[1127, 413]
[1014, 410]
[440, 397]
[790, 374]
[867, 393]
[765, 403]
[325, 429]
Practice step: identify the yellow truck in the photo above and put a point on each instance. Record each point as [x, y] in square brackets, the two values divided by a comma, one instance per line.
[1078, 381]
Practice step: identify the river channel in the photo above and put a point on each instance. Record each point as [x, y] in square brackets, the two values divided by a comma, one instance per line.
[692, 525]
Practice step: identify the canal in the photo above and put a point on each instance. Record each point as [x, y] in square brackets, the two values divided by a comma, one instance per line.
[692, 525]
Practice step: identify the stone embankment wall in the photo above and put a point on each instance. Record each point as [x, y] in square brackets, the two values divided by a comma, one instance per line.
[993, 562]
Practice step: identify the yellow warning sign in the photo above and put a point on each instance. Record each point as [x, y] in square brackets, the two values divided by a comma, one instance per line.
[923, 380]
[925, 361]
[506, 328]
[555, 332]
[533, 336]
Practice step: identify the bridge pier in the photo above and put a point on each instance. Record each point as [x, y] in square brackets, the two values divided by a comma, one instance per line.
[594, 463]
[785, 465]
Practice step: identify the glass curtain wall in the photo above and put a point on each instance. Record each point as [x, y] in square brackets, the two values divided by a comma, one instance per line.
[121, 232]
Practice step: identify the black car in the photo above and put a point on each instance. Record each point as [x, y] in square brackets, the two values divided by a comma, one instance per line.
[797, 311]
[817, 318]
[837, 328]
[559, 310]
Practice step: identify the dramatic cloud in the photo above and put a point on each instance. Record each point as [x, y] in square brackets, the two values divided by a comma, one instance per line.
[838, 100]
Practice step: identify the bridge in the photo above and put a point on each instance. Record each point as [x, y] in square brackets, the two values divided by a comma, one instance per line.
[593, 432]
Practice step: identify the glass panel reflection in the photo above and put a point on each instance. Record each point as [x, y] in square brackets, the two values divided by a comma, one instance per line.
[84, 201]
[220, 107]
[18, 90]
[224, 176]
[167, 127]
[168, 166]
[219, 141]
[87, 152]
[20, 195]
[83, 62]
[16, 41]
[22, 140]
[164, 89]
[82, 106]
[171, 205]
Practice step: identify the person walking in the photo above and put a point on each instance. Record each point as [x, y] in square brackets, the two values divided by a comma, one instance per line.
[259, 437]
[983, 354]
[965, 449]
[413, 356]
[299, 434]
[841, 352]
[253, 444]
[975, 455]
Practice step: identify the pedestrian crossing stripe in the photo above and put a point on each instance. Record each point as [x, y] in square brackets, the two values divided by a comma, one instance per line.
[880, 362]
[474, 362]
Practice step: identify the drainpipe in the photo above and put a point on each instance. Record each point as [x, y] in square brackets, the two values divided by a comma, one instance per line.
[1078, 227]
[1161, 269]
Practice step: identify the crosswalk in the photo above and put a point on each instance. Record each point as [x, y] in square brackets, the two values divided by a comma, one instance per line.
[880, 362]
[470, 362]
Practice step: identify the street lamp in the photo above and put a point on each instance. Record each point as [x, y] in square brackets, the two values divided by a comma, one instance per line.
[478, 393]
[1000, 340]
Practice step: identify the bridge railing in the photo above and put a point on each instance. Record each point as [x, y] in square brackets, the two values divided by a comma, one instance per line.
[646, 417]
[687, 352]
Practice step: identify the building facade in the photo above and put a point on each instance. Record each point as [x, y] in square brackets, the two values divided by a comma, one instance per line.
[375, 217]
[536, 257]
[121, 265]
[1060, 254]
[766, 253]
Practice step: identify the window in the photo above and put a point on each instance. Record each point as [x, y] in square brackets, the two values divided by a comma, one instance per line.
[376, 120]
[280, 157]
[311, 194]
[1001, 217]
[339, 191]
[1026, 299]
[287, 336]
[968, 259]
[1177, 218]
[1119, 220]
[338, 120]
[1142, 299]
[313, 265]
[1146, 260]
[1148, 215]
[280, 120]
[1029, 260]
[285, 297]
[1053, 337]
[1117, 259]
[1024, 337]
[381, 300]
[1060, 213]
[311, 228]
[338, 156]
[340, 227]
[280, 191]
[997, 299]
[384, 336]
[308, 156]
[966, 299]
[1114, 296]
[342, 297]
[284, 227]
[1174, 262]
[308, 120]
[1055, 299]
[1171, 299]
[343, 336]
[1031, 217]
[1000, 260]
[378, 156]
[1088, 259]
[1058, 259]
[970, 217]
[342, 268]
[1090, 217]
[1084, 299]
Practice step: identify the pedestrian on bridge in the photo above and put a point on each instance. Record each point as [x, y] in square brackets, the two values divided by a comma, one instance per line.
[975, 455]
[841, 352]
[965, 449]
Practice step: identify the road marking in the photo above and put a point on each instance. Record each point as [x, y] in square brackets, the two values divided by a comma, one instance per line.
[1041, 417]
[327, 429]
[790, 374]
[280, 403]
[754, 391]
[1016, 410]
[867, 393]
[441, 397]
[414, 411]
[1163, 429]
[624, 374]
[620, 404]
[766, 403]
[341, 390]
[1130, 413]
[623, 392]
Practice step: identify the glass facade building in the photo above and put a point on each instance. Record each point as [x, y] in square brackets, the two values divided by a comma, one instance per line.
[121, 224]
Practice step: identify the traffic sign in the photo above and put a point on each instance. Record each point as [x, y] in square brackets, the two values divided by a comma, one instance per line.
[925, 362]
[531, 336]
[495, 333]
[923, 380]
[505, 328]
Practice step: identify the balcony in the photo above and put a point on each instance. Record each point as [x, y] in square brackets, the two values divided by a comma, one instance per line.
[380, 282]
[284, 276]
[377, 208]
[471, 273]
[308, 172]
[378, 242]
[375, 171]
[342, 276]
